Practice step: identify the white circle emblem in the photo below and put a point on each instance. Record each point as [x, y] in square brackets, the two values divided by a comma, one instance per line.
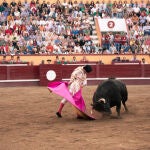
[111, 24]
[51, 75]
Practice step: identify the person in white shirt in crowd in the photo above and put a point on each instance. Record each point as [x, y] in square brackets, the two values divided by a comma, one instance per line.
[16, 13]
[57, 49]
[94, 10]
[112, 49]
[136, 9]
[148, 18]
[142, 4]
[97, 4]
[77, 49]
[103, 5]
[26, 4]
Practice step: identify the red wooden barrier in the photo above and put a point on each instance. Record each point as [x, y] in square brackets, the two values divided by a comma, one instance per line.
[99, 71]
[12, 72]
[3, 73]
[134, 71]
[43, 70]
[146, 70]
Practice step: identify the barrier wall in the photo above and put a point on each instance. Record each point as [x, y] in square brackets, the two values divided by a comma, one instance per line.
[130, 74]
[12, 72]
[13, 75]
[43, 70]
[19, 74]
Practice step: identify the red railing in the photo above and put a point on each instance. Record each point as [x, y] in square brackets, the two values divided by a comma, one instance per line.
[12, 72]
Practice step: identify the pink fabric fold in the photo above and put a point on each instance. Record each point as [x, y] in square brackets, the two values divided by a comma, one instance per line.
[61, 89]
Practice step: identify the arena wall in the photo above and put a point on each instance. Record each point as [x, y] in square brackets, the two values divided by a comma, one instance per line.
[130, 74]
[23, 75]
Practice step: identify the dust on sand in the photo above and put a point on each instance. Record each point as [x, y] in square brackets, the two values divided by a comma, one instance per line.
[28, 122]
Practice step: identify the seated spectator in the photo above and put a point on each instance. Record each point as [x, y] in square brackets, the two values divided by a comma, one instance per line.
[129, 22]
[64, 61]
[18, 60]
[30, 48]
[145, 47]
[5, 49]
[87, 38]
[84, 59]
[143, 61]
[9, 31]
[33, 6]
[125, 59]
[100, 62]
[134, 58]
[146, 29]
[42, 62]
[49, 48]
[74, 60]
[125, 48]
[12, 60]
[117, 42]
[148, 18]
[49, 61]
[77, 49]
[124, 38]
[98, 48]
[57, 41]
[57, 49]
[92, 48]
[13, 4]
[5, 4]
[112, 50]
[57, 60]
[117, 59]
[135, 19]
[142, 20]
[134, 48]
[42, 50]
[16, 13]
[4, 61]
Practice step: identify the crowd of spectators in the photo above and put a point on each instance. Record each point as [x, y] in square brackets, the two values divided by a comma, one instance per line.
[28, 28]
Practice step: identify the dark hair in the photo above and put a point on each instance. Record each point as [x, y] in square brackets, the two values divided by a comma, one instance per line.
[87, 68]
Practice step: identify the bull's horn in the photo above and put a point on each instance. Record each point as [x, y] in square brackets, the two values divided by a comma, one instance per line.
[102, 100]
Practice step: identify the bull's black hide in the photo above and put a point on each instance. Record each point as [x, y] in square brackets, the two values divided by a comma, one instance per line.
[110, 93]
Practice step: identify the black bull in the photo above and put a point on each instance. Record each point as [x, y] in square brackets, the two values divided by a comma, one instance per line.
[110, 93]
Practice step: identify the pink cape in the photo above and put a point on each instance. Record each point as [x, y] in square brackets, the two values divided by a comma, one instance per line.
[61, 89]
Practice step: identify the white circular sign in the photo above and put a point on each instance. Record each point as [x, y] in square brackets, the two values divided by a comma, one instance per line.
[111, 24]
[51, 75]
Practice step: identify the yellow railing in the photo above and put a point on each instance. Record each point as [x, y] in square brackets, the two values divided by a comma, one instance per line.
[106, 59]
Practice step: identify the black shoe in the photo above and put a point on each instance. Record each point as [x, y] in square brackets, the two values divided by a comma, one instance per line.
[80, 117]
[58, 115]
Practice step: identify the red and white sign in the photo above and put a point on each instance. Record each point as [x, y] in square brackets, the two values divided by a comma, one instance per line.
[112, 25]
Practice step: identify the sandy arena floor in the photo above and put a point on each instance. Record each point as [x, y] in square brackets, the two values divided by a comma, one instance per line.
[28, 122]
